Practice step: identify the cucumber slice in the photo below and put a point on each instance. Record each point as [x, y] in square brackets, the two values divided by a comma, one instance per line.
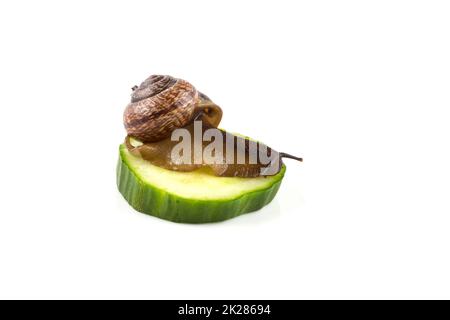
[190, 197]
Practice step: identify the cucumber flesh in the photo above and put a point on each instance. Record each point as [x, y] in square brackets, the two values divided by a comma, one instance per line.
[190, 197]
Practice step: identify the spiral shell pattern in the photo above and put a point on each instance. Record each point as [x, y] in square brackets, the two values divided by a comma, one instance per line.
[158, 106]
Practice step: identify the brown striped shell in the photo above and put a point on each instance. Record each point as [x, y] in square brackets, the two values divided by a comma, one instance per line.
[158, 106]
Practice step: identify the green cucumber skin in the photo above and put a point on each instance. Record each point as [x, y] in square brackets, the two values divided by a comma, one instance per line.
[150, 200]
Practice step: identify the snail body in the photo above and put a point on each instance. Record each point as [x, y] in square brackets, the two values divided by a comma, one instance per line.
[162, 104]
[161, 154]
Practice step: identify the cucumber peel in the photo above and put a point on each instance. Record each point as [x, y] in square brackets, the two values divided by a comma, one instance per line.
[190, 197]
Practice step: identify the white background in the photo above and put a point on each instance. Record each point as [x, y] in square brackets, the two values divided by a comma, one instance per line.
[360, 89]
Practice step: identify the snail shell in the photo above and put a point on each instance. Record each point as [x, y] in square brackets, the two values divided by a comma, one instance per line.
[162, 104]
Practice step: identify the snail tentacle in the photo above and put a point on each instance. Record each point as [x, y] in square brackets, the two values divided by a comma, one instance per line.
[289, 156]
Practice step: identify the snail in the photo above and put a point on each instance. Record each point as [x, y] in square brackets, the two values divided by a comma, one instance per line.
[163, 104]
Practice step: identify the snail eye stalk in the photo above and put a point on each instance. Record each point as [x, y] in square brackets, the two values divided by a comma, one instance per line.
[289, 156]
